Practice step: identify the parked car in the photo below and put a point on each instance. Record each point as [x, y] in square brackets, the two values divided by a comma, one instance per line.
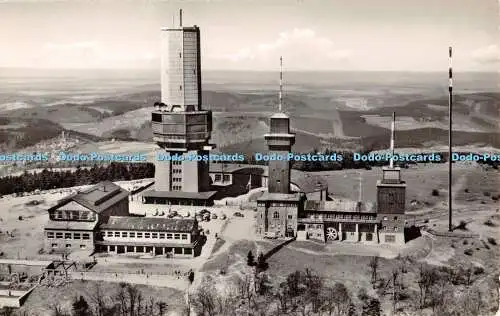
[223, 217]
[206, 217]
[271, 235]
[199, 218]
[238, 214]
[214, 216]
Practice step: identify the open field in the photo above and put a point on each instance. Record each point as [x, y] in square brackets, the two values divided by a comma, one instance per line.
[420, 180]
[319, 110]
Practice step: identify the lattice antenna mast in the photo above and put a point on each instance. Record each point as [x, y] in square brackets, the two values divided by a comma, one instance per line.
[450, 131]
[393, 124]
[281, 84]
[180, 18]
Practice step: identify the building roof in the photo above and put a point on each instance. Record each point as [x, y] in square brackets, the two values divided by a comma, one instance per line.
[338, 205]
[180, 195]
[280, 115]
[150, 224]
[97, 198]
[70, 225]
[307, 182]
[279, 197]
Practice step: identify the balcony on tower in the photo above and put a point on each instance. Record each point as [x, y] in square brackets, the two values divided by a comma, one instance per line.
[279, 134]
[182, 131]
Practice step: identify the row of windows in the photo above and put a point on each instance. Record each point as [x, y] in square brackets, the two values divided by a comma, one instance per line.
[52, 235]
[73, 215]
[68, 246]
[277, 215]
[176, 188]
[318, 226]
[177, 162]
[177, 179]
[176, 171]
[395, 228]
[390, 238]
[147, 235]
[395, 218]
[343, 216]
[224, 178]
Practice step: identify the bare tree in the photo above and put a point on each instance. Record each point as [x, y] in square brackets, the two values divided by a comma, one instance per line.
[337, 300]
[98, 299]
[374, 264]
[395, 289]
[204, 299]
[426, 279]
[472, 302]
[313, 283]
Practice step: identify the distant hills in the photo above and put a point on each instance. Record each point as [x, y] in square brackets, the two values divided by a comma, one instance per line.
[240, 119]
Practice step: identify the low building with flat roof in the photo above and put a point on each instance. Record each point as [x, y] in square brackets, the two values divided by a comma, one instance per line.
[98, 220]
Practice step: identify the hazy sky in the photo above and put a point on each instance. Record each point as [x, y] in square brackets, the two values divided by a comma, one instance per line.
[240, 35]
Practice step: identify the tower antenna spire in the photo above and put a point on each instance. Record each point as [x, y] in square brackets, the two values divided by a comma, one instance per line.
[180, 17]
[393, 123]
[281, 84]
[450, 131]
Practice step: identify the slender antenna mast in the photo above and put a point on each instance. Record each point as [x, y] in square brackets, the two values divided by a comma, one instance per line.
[393, 123]
[281, 83]
[450, 131]
[180, 17]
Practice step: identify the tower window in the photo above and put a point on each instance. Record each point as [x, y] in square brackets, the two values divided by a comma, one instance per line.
[180, 55]
[180, 88]
[276, 215]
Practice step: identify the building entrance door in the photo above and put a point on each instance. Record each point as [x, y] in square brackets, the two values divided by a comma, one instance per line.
[290, 233]
[120, 249]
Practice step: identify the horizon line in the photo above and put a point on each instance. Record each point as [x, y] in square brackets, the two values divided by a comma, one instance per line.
[247, 70]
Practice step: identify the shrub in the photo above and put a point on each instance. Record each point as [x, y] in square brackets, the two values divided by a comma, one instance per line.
[495, 197]
[490, 223]
[478, 270]
[462, 225]
[492, 241]
[435, 192]
[486, 193]
[466, 190]
[468, 252]
[466, 242]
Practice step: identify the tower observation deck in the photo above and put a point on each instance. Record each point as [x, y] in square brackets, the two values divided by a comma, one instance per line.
[181, 128]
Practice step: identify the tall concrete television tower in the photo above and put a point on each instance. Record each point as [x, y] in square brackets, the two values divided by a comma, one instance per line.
[181, 128]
